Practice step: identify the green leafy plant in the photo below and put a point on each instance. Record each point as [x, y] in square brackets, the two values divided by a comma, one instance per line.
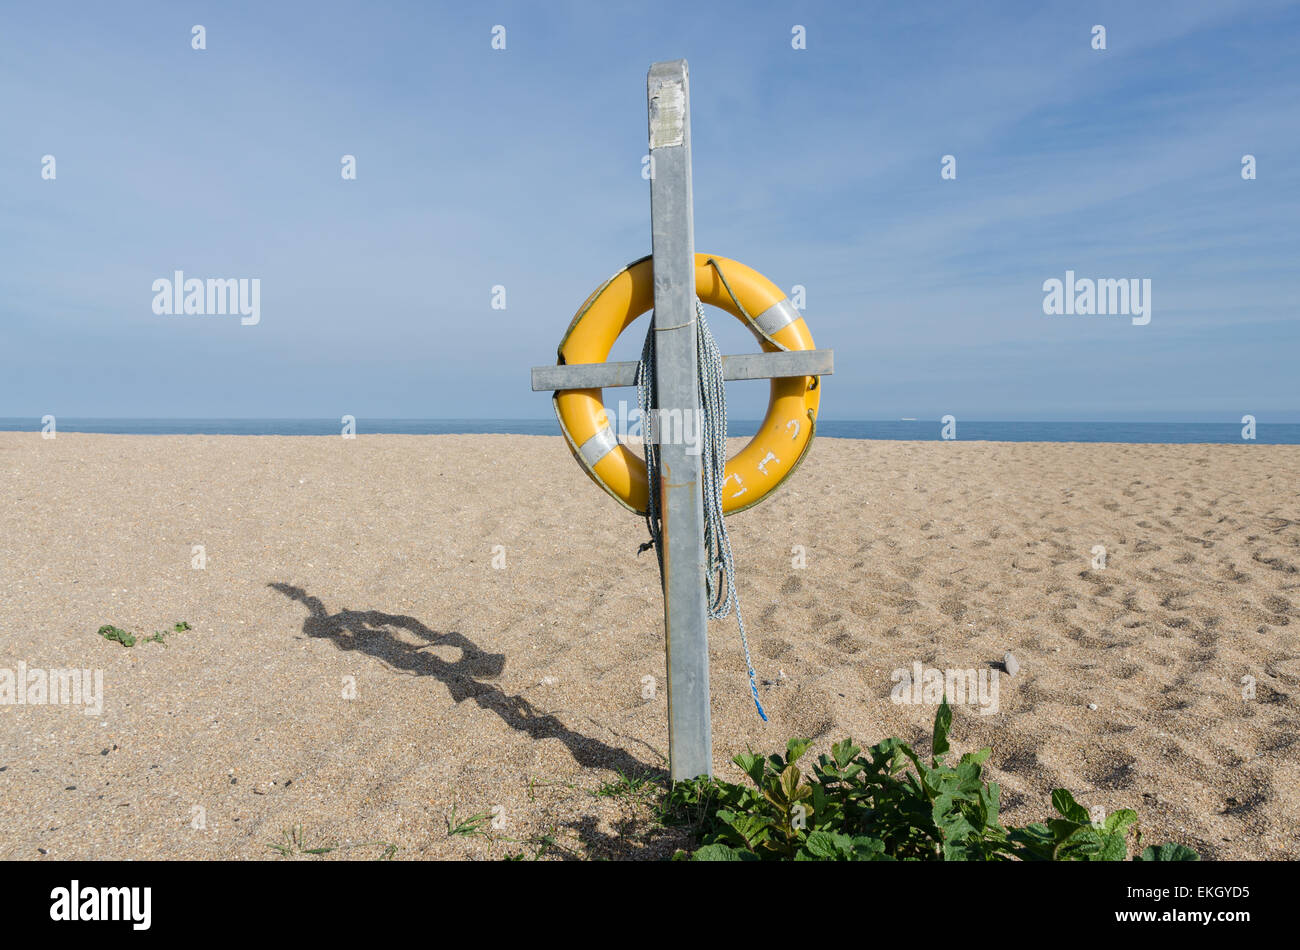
[178, 627]
[886, 804]
[1074, 837]
[110, 632]
[541, 845]
[117, 634]
[633, 788]
[296, 842]
[468, 827]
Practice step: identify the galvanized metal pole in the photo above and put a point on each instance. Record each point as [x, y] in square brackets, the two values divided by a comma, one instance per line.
[672, 222]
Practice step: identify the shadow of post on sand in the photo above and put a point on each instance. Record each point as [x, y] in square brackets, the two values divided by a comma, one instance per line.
[372, 632]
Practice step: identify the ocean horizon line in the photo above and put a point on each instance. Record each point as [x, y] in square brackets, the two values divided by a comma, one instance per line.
[1233, 431]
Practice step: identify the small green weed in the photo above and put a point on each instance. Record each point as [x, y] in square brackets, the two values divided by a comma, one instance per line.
[632, 788]
[540, 845]
[118, 635]
[295, 842]
[110, 632]
[468, 827]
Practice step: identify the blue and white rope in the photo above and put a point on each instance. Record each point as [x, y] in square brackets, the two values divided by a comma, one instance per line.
[720, 573]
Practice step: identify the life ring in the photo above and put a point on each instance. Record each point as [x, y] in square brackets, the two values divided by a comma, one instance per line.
[791, 421]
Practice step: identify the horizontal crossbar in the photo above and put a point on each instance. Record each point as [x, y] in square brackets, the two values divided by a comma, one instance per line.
[740, 366]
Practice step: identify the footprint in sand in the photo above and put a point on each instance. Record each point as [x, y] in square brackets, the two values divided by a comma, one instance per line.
[1119, 771]
[1276, 563]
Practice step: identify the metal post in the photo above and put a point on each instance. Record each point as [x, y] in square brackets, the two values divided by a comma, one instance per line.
[690, 740]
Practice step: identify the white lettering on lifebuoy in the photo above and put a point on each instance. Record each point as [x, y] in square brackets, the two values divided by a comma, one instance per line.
[795, 423]
[739, 481]
[762, 466]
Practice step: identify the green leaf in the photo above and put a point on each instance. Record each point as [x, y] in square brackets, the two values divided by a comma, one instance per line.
[977, 813]
[958, 850]
[1083, 844]
[949, 819]
[942, 723]
[819, 800]
[1062, 828]
[1034, 842]
[968, 776]
[110, 632]
[992, 794]
[868, 849]
[749, 829]
[827, 846]
[844, 752]
[1168, 852]
[716, 852]
[790, 781]
[1114, 847]
[796, 748]
[1118, 822]
[751, 764]
[1064, 803]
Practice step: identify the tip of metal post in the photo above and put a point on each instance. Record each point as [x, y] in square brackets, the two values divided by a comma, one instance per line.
[667, 68]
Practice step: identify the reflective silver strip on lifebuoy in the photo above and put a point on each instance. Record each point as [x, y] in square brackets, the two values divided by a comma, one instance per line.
[599, 445]
[777, 316]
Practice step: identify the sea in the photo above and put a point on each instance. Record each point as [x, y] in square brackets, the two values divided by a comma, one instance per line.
[922, 430]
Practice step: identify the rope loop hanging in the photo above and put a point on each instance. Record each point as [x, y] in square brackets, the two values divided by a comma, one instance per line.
[720, 568]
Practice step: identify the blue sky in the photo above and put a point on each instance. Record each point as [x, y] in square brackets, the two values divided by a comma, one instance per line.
[522, 167]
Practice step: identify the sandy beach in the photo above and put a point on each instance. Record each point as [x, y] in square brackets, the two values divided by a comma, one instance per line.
[387, 628]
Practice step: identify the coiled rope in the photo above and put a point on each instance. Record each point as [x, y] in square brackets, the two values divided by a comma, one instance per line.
[721, 568]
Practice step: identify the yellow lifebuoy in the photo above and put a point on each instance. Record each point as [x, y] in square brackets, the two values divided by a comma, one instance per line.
[787, 430]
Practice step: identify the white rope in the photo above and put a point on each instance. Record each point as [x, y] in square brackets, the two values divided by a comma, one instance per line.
[721, 568]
